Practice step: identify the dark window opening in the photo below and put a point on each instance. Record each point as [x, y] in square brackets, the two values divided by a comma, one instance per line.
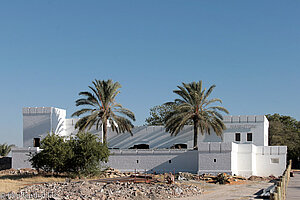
[140, 146]
[215, 160]
[170, 161]
[36, 142]
[237, 137]
[249, 137]
[137, 161]
[179, 146]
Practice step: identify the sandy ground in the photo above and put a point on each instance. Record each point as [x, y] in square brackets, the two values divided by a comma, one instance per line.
[230, 192]
[293, 190]
[15, 182]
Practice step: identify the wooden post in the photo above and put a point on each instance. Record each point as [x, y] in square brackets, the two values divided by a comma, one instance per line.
[281, 186]
[284, 186]
[272, 196]
[134, 175]
[276, 196]
[279, 190]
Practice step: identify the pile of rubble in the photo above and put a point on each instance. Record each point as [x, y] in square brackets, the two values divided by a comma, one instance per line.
[221, 178]
[113, 173]
[261, 178]
[96, 190]
[25, 171]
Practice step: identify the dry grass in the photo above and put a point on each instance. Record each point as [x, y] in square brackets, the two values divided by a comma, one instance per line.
[10, 183]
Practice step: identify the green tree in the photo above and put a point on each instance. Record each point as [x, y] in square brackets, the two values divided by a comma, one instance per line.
[79, 155]
[285, 130]
[5, 149]
[158, 114]
[88, 152]
[101, 109]
[54, 156]
[195, 107]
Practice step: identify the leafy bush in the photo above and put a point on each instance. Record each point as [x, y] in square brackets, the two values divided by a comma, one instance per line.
[54, 155]
[80, 155]
[87, 152]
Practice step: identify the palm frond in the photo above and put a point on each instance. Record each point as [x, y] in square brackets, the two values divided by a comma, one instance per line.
[193, 105]
[102, 100]
[82, 111]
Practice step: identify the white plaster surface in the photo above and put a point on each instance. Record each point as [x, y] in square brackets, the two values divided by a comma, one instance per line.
[21, 156]
[241, 159]
[215, 154]
[39, 121]
[154, 160]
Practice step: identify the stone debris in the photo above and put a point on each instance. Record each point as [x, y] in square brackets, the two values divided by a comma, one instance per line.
[104, 191]
[114, 173]
[261, 178]
[221, 178]
[25, 171]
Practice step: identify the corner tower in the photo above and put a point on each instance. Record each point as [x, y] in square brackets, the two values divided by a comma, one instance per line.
[39, 121]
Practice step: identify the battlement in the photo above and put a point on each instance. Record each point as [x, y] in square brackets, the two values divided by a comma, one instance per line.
[215, 147]
[244, 119]
[223, 147]
[41, 110]
[37, 110]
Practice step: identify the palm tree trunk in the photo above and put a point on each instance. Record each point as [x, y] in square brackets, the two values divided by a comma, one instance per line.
[104, 130]
[195, 133]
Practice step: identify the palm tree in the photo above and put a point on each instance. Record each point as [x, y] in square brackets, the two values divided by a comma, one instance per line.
[195, 108]
[5, 149]
[102, 109]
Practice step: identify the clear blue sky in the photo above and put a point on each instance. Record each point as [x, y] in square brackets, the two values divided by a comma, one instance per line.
[52, 50]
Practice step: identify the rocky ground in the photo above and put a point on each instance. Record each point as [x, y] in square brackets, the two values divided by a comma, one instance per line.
[96, 190]
[25, 171]
[113, 184]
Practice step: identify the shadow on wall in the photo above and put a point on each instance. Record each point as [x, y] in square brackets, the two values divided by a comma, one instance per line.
[60, 126]
[158, 161]
[156, 137]
[38, 129]
[185, 162]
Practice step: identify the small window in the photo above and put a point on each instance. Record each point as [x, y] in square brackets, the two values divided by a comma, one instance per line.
[137, 161]
[140, 146]
[36, 142]
[275, 160]
[215, 160]
[237, 137]
[249, 137]
[170, 161]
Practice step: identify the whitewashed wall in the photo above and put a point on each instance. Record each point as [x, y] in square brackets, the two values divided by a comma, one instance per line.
[39, 121]
[258, 125]
[154, 160]
[216, 154]
[214, 157]
[246, 160]
[241, 159]
[21, 156]
[264, 157]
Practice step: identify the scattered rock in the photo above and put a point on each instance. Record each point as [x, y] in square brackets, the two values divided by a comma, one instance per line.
[96, 190]
[261, 178]
[25, 171]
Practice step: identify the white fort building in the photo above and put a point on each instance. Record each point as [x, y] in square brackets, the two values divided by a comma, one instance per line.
[242, 150]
